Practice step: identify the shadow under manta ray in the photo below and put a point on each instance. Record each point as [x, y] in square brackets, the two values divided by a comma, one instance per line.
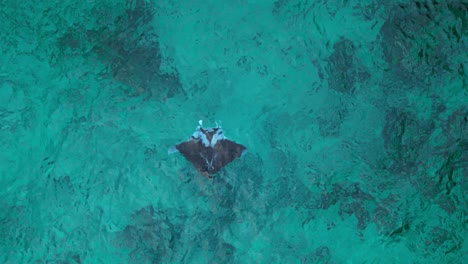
[209, 150]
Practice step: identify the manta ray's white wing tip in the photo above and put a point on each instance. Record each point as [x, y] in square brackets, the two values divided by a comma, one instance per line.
[172, 149]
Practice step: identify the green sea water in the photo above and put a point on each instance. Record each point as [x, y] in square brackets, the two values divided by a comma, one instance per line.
[354, 114]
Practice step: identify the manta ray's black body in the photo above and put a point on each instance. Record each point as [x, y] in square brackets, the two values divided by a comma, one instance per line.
[208, 150]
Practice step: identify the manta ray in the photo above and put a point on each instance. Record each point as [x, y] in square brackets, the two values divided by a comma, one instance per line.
[209, 150]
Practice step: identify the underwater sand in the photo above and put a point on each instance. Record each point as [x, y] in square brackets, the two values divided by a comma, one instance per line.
[354, 114]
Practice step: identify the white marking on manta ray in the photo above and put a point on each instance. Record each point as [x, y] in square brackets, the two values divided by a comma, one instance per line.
[209, 164]
[200, 135]
[218, 136]
[172, 149]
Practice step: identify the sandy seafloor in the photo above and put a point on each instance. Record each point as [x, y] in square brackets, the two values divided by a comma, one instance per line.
[354, 114]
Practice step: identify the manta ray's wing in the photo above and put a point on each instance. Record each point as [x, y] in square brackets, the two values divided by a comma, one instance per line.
[225, 151]
[192, 150]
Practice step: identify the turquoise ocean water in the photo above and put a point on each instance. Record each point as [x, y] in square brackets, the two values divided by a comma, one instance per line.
[354, 114]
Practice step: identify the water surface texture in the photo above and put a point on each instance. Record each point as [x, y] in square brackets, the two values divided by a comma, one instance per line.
[354, 114]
